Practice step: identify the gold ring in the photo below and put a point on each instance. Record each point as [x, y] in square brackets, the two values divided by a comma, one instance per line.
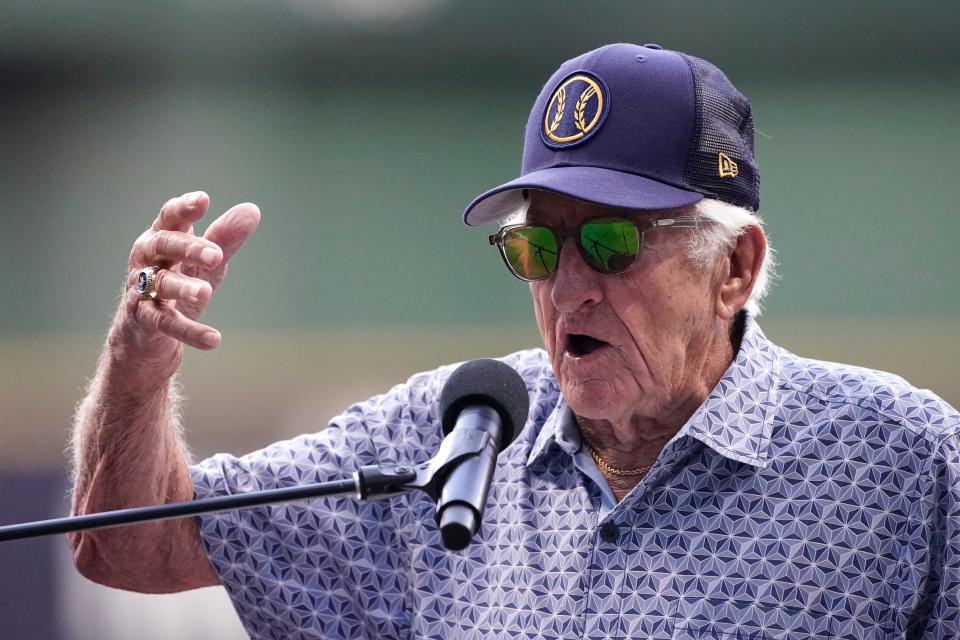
[146, 282]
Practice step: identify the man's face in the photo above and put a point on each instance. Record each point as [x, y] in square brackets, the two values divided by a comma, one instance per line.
[623, 345]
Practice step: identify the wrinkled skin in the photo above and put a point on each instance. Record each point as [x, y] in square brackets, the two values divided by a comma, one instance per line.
[126, 445]
[664, 326]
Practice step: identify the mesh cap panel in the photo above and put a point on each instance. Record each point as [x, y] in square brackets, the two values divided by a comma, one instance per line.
[721, 164]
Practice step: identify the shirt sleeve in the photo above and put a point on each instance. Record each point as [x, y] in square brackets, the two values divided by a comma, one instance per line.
[329, 567]
[936, 548]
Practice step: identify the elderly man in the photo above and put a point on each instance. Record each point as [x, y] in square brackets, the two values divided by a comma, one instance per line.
[679, 475]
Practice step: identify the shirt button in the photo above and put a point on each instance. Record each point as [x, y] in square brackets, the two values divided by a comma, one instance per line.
[609, 532]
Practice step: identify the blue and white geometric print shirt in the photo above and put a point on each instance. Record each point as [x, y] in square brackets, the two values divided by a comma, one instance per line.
[803, 499]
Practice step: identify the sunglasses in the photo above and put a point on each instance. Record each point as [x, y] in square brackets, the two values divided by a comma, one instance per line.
[608, 245]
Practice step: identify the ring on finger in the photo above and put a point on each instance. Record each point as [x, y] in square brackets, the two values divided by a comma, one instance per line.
[147, 281]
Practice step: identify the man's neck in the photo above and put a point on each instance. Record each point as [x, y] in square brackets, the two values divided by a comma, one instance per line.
[638, 440]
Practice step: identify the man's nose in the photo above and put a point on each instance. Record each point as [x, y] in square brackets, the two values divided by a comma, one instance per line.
[575, 284]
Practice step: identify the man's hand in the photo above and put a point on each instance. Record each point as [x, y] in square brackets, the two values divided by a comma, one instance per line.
[127, 449]
[191, 269]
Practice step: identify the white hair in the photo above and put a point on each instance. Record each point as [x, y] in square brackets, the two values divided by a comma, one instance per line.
[710, 241]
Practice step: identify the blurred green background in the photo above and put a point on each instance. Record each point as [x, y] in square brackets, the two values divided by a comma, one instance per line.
[362, 128]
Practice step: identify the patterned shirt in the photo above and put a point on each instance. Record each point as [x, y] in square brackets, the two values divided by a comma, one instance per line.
[802, 499]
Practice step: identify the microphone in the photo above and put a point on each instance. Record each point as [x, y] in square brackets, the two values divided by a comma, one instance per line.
[487, 396]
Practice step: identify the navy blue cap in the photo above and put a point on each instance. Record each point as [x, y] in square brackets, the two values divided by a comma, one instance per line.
[637, 128]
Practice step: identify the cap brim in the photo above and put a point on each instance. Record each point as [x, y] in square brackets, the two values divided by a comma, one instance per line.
[604, 187]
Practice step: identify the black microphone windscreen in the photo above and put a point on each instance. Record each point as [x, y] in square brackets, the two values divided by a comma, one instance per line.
[491, 383]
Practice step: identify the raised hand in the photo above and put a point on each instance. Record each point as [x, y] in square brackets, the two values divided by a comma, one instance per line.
[189, 270]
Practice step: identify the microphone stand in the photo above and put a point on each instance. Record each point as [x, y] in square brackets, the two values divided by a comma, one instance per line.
[370, 482]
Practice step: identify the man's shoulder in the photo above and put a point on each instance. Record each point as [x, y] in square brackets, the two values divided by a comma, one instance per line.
[406, 419]
[887, 396]
[533, 365]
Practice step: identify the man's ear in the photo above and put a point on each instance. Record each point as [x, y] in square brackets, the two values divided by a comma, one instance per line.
[741, 270]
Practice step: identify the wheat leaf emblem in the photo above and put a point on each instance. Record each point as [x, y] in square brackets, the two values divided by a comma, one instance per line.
[581, 107]
[558, 116]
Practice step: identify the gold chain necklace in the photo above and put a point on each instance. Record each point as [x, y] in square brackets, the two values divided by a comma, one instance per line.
[607, 468]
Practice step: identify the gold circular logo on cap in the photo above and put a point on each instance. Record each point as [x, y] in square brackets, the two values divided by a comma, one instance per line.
[579, 97]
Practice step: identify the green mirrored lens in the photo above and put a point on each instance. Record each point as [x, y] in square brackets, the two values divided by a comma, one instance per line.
[610, 246]
[531, 251]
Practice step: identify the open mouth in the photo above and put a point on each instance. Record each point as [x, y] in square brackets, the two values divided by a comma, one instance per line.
[579, 344]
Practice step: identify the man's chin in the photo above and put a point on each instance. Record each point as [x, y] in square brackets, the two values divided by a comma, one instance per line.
[594, 398]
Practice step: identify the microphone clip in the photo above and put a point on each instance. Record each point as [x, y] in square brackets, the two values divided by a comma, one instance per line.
[376, 483]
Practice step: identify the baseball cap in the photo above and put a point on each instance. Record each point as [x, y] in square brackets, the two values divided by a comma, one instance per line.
[635, 127]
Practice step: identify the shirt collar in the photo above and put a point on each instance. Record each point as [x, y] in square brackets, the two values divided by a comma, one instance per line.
[735, 419]
[549, 433]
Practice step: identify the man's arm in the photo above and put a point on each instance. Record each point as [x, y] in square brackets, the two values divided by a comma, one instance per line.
[934, 546]
[126, 443]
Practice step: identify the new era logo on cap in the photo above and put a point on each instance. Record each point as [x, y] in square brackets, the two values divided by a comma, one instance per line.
[636, 128]
[726, 167]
